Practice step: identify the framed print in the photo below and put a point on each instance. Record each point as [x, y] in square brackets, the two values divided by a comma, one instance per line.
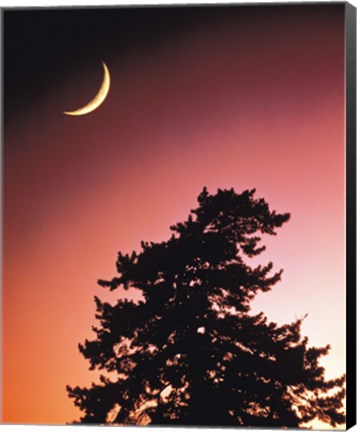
[179, 215]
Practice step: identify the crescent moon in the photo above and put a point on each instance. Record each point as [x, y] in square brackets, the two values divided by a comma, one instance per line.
[98, 99]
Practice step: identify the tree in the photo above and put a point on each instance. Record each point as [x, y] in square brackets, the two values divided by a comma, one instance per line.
[189, 352]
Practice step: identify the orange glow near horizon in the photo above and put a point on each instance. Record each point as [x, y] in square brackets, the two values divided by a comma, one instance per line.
[204, 110]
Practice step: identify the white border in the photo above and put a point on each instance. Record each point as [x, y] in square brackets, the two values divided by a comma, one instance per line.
[46, 3]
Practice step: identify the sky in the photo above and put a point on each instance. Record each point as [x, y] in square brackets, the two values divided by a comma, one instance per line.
[243, 97]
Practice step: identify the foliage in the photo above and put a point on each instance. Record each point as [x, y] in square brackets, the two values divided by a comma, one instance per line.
[189, 352]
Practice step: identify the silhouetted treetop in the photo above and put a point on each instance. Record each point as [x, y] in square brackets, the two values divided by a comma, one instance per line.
[214, 234]
[188, 351]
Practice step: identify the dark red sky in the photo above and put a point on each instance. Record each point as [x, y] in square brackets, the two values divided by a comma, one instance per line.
[240, 97]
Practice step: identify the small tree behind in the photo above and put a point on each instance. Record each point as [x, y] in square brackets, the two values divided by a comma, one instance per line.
[189, 352]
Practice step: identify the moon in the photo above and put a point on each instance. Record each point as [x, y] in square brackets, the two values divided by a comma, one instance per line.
[97, 100]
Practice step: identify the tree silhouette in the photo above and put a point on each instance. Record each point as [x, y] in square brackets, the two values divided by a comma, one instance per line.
[189, 352]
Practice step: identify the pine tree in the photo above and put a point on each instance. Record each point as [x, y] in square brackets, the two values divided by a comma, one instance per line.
[189, 352]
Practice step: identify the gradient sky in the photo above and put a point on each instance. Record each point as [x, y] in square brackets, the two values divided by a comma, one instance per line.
[237, 97]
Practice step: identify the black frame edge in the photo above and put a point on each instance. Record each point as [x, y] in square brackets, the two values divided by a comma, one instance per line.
[350, 63]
